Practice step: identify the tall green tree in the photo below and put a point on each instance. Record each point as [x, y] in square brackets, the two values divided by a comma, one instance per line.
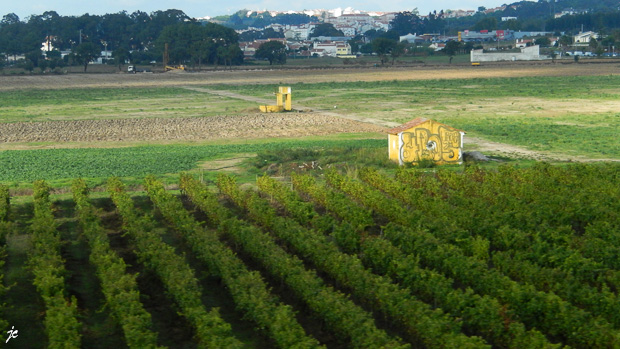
[273, 51]
[325, 29]
[86, 52]
[452, 48]
[397, 51]
[193, 42]
[565, 41]
[543, 41]
[120, 56]
[407, 23]
[593, 44]
[230, 54]
[383, 47]
[487, 23]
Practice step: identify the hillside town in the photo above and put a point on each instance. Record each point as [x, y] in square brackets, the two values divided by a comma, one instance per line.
[354, 24]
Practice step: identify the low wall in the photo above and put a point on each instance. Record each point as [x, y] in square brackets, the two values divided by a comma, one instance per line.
[531, 53]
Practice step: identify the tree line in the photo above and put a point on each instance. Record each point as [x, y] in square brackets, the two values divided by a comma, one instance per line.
[138, 38]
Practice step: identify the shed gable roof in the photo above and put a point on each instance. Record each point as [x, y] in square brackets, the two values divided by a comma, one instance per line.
[414, 123]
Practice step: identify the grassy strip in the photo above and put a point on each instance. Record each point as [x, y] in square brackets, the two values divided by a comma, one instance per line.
[340, 314]
[419, 321]
[174, 272]
[47, 265]
[550, 87]
[73, 96]
[596, 139]
[109, 103]
[119, 288]
[247, 288]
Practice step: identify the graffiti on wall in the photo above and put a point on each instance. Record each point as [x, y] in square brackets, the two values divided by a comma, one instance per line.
[444, 145]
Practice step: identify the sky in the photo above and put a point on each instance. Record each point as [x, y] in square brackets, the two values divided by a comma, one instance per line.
[203, 8]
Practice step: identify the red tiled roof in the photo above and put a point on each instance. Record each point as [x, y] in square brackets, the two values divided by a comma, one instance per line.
[413, 123]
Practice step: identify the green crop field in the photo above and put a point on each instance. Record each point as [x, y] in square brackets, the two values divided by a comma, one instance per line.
[61, 165]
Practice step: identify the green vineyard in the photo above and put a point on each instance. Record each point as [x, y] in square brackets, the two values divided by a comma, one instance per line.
[469, 258]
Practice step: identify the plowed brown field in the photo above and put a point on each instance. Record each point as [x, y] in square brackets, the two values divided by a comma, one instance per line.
[182, 129]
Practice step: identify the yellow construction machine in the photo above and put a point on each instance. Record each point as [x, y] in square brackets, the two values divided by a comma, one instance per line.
[168, 67]
[283, 101]
[174, 67]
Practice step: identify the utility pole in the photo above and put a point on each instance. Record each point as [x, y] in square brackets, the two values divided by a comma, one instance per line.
[80, 36]
[166, 57]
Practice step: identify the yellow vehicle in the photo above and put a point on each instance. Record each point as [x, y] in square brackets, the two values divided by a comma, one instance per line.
[167, 59]
[174, 67]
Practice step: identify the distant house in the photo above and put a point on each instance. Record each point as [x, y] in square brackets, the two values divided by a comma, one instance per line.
[48, 45]
[332, 48]
[521, 43]
[583, 39]
[437, 46]
[423, 138]
[346, 30]
[299, 32]
[570, 11]
[103, 57]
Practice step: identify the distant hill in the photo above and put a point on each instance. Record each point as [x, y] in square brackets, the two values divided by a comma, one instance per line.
[595, 15]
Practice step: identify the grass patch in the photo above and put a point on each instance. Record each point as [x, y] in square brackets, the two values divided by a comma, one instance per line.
[539, 113]
[597, 140]
[111, 103]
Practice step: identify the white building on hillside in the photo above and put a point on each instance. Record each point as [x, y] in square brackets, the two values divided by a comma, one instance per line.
[584, 38]
[332, 49]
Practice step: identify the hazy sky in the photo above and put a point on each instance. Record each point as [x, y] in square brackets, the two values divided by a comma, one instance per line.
[202, 8]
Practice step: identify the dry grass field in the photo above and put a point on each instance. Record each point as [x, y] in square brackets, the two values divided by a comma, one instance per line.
[289, 76]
